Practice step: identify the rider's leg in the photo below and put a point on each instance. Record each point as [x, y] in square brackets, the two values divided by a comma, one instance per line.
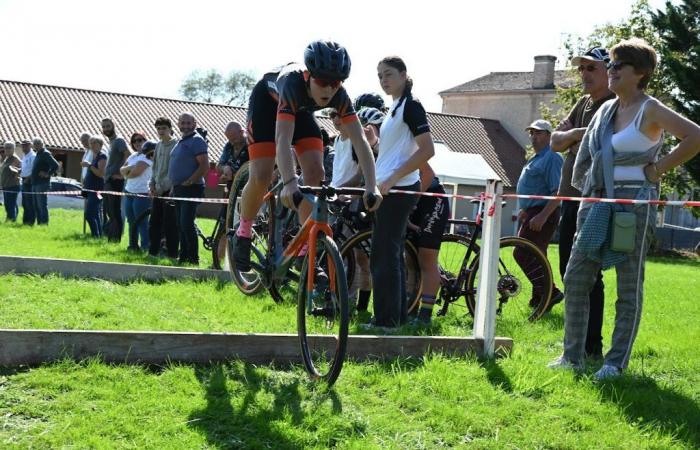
[259, 179]
[311, 162]
[428, 260]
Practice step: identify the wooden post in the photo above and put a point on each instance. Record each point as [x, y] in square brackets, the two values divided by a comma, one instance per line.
[485, 312]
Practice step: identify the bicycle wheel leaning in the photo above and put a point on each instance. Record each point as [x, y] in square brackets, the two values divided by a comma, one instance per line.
[453, 271]
[250, 282]
[322, 309]
[524, 281]
[355, 253]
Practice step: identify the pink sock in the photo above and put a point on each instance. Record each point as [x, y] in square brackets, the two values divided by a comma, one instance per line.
[304, 250]
[245, 228]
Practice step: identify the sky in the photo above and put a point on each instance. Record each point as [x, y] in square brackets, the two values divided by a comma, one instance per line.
[148, 47]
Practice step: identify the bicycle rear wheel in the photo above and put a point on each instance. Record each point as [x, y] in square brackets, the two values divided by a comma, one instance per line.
[322, 312]
[524, 281]
[355, 253]
[453, 271]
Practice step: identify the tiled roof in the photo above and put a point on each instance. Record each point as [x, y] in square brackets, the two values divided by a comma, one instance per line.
[508, 81]
[485, 137]
[59, 114]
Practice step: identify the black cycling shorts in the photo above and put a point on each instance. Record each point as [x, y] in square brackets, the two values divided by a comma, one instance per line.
[262, 120]
[431, 216]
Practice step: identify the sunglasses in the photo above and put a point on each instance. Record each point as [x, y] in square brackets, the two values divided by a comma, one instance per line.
[322, 82]
[588, 68]
[617, 65]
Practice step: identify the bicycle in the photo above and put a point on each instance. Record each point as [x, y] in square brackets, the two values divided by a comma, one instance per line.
[322, 294]
[458, 274]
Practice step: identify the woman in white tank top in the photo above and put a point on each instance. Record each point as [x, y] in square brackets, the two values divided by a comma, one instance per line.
[638, 123]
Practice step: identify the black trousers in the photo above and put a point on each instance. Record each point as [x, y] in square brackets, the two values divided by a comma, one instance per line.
[567, 230]
[163, 222]
[186, 214]
[114, 224]
[387, 257]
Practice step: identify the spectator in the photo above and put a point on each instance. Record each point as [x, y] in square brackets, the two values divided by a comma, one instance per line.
[234, 154]
[94, 181]
[345, 170]
[88, 156]
[188, 164]
[44, 167]
[28, 212]
[163, 221]
[619, 158]
[118, 152]
[9, 180]
[566, 138]
[538, 218]
[328, 155]
[137, 171]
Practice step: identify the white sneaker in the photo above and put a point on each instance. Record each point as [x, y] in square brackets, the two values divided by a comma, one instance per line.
[606, 372]
[562, 363]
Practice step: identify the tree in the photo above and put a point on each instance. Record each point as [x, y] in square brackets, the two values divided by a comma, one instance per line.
[641, 23]
[211, 86]
[679, 32]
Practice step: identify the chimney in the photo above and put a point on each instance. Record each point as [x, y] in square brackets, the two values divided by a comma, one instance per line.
[543, 75]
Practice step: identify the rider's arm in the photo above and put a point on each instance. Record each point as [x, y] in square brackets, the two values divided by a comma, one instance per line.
[283, 142]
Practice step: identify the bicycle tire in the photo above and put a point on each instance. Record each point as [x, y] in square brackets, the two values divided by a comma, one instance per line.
[249, 283]
[320, 309]
[362, 241]
[511, 286]
[453, 277]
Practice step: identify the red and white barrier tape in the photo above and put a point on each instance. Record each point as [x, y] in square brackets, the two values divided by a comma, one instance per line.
[621, 201]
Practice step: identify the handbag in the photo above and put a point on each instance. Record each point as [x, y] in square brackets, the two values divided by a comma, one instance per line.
[624, 226]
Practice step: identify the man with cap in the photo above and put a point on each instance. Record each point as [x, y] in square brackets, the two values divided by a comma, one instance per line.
[28, 213]
[566, 138]
[538, 218]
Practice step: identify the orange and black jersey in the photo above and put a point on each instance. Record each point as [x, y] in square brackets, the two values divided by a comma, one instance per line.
[288, 87]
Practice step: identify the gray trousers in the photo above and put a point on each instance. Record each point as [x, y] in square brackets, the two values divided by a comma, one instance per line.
[581, 273]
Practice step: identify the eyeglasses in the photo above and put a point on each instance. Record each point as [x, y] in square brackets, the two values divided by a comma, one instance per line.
[322, 82]
[588, 68]
[617, 65]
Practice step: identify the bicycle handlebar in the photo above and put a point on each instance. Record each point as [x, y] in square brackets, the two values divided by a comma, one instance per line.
[330, 191]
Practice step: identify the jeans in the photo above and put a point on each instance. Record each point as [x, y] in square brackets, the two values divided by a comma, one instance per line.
[567, 230]
[137, 216]
[41, 202]
[114, 225]
[186, 213]
[387, 257]
[28, 213]
[93, 214]
[10, 199]
[163, 222]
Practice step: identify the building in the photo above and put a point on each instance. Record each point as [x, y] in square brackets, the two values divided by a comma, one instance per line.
[59, 115]
[512, 98]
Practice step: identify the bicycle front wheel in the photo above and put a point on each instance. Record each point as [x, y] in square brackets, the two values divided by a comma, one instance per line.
[524, 280]
[322, 312]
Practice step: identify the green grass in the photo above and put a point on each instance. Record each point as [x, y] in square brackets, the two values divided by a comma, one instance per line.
[432, 402]
[64, 238]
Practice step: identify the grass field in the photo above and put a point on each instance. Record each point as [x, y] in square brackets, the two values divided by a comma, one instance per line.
[433, 402]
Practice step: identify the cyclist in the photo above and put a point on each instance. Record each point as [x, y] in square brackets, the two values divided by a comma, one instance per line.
[280, 114]
[370, 100]
[429, 219]
[405, 146]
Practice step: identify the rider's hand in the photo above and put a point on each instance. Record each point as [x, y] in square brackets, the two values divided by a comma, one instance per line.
[377, 199]
[287, 194]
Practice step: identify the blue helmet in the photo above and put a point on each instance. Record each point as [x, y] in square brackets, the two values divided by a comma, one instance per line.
[328, 60]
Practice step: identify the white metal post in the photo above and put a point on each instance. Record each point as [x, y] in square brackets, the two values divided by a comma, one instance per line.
[485, 313]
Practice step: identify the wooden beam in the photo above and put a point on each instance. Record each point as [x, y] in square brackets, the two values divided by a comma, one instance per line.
[118, 272]
[32, 347]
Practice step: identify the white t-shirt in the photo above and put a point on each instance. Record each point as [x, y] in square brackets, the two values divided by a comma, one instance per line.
[87, 157]
[344, 167]
[139, 184]
[397, 141]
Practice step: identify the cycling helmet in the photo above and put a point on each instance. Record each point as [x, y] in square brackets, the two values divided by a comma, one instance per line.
[370, 100]
[371, 116]
[328, 60]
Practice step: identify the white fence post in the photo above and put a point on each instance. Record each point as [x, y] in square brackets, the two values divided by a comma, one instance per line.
[485, 313]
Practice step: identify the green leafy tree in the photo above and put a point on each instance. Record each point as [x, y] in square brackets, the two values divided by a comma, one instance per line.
[211, 86]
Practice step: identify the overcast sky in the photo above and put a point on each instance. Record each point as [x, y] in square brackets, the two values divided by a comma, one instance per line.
[148, 47]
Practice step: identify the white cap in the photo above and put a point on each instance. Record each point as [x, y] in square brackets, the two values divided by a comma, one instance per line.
[540, 124]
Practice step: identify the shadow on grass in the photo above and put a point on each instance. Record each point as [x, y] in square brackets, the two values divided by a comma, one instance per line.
[496, 376]
[646, 404]
[251, 419]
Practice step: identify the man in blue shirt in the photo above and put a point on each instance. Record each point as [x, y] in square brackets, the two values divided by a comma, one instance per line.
[538, 218]
[189, 161]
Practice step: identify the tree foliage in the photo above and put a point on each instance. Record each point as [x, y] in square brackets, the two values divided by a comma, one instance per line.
[674, 35]
[211, 86]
